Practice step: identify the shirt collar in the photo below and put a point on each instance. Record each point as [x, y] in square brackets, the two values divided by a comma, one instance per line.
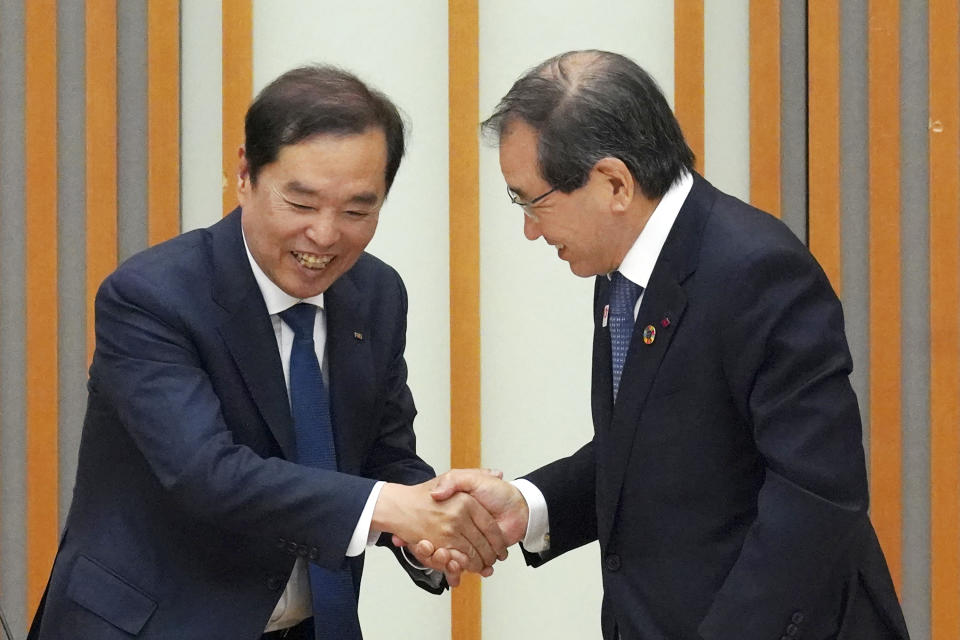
[637, 265]
[276, 299]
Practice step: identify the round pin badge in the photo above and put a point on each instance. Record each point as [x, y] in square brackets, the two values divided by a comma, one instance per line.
[649, 334]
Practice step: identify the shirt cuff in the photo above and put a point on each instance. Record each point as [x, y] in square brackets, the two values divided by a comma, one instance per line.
[363, 535]
[537, 537]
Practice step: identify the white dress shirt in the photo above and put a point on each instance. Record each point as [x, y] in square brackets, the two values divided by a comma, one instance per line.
[637, 266]
[295, 604]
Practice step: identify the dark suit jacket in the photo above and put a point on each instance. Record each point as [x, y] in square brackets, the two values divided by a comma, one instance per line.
[187, 515]
[727, 484]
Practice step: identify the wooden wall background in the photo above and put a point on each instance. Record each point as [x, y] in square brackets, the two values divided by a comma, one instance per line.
[853, 137]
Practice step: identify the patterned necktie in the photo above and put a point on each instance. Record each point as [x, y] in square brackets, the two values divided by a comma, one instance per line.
[623, 297]
[334, 601]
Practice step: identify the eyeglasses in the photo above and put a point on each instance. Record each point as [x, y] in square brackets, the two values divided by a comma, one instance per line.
[528, 207]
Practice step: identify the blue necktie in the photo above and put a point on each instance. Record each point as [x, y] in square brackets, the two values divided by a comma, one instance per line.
[623, 297]
[334, 601]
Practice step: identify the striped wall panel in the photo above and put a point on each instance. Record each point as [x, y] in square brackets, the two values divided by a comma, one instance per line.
[944, 171]
[464, 276]
[237, 88]
[40, 143]
[688, 74]
[857, 155]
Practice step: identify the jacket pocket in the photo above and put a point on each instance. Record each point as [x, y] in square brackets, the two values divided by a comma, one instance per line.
[109, 596]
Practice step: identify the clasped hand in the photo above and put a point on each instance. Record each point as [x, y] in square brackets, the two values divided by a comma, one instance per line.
[464, 520]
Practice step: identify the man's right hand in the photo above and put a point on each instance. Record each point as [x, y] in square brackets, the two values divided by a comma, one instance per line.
[501, 499]
[460, 523]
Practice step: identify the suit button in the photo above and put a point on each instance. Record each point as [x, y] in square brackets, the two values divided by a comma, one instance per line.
[612, 562]
[314, 553]
[302, 551]
[792, 630]
[797, 617]
[292, 547]
[274, 583]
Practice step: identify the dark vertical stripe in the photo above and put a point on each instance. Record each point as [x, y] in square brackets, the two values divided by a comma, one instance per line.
[765, 105]
[915, 203]
[72, 235]
[237, 88]
[944, 25]
[40, 132]
[163, 120]
[793, 116]
[688, 73]
[131, 127]
[823, 73]
[854, 197]
[465, 430]
[885, 403]
[12, 318]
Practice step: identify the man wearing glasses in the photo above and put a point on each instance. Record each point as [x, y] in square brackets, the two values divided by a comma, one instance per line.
[725, 480]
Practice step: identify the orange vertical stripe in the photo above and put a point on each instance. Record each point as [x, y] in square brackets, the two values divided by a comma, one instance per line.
[41, 292]
[237, 88]
[163, 120]
[688, 73]
[101, 149]
[464, 79]
[944, 16]
[884, 153]
[823, 76]
[765, 105]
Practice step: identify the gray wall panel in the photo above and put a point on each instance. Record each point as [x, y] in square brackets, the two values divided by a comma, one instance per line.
[854, 197]
[793, 116]
[915, 334]
[131, 127]
[71, 226]
[12, 320]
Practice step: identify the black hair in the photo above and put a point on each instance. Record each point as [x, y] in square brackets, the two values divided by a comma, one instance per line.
[589, 105]
[314, 100]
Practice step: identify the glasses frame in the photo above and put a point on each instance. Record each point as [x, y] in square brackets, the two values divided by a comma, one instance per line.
[528, 207]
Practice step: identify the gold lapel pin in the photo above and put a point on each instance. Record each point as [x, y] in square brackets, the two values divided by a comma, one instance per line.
[649, 334]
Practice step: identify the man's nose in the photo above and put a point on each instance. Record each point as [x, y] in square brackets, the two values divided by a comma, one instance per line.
[324, 230]
[531, 227]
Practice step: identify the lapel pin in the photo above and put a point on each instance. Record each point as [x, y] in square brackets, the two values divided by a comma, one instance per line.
[665, 322]
[358, 335]
[606, 315]
[649, 334]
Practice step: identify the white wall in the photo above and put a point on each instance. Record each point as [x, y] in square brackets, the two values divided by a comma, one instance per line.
[535, 314]
[201, 97]
[400, 49]
[726, 99]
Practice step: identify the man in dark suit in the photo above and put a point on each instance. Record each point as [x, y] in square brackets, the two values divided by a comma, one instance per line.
[725, 480]
[247, 398]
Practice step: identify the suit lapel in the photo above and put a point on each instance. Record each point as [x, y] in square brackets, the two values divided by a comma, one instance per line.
[351, 369]
[248, 333]
[662, 309]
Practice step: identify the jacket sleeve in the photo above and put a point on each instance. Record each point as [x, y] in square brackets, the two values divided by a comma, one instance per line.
[786, 361]
[569, 487]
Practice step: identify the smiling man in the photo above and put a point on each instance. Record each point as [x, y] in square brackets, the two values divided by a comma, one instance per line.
[249, 425]
[725, 477]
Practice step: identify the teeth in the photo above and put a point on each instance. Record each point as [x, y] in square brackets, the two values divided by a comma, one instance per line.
[312, 261]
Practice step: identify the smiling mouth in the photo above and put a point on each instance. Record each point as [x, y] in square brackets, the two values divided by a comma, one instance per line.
[312, 261]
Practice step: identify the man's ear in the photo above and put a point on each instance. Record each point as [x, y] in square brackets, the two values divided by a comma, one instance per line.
[619, 181]
[243, 175]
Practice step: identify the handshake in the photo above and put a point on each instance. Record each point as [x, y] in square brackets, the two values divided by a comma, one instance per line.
[463, 520]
